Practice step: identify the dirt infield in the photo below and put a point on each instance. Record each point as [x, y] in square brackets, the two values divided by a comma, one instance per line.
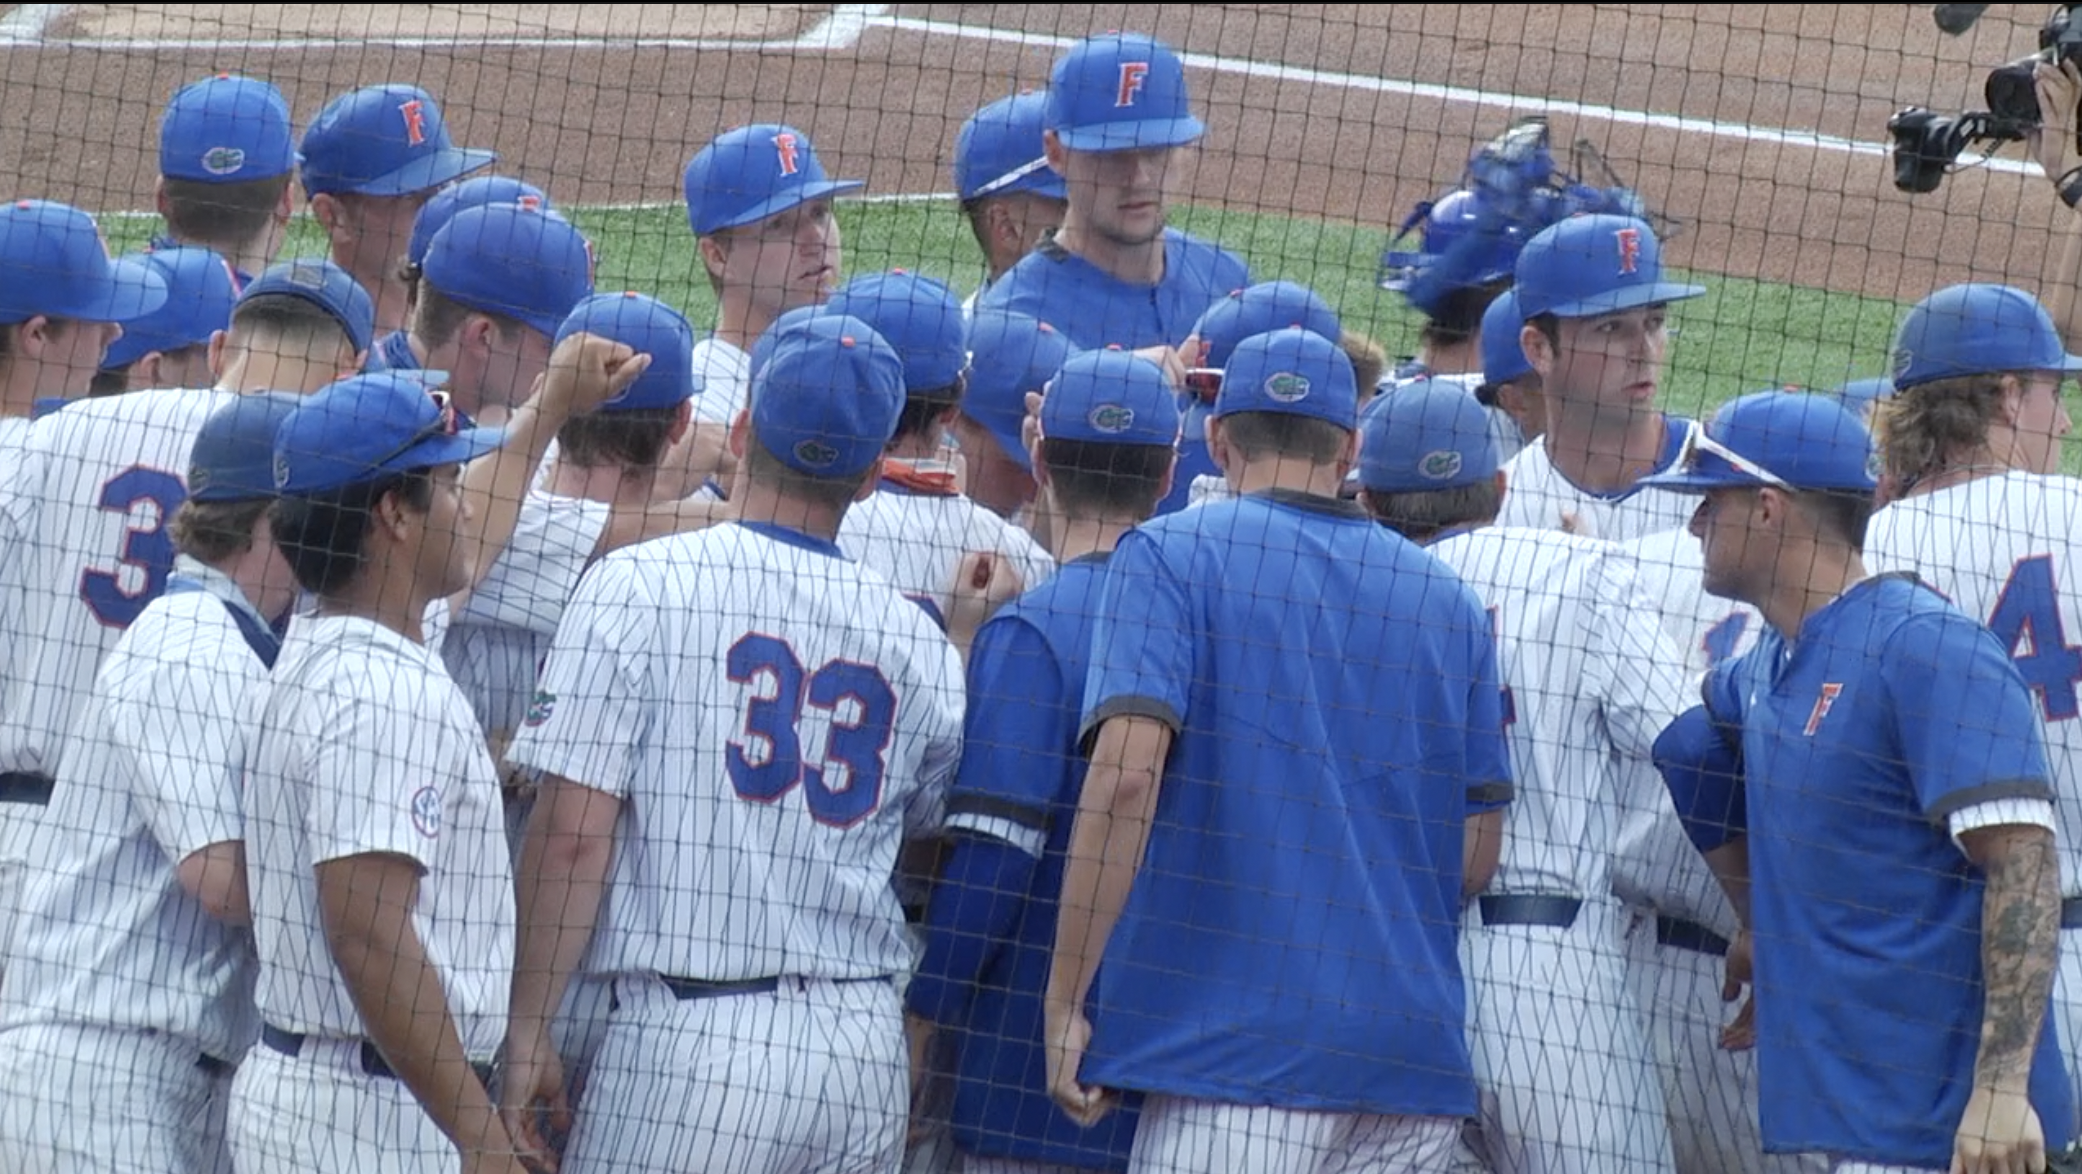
[617, 123]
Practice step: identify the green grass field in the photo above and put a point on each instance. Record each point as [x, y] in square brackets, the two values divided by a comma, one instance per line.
[1744, 335]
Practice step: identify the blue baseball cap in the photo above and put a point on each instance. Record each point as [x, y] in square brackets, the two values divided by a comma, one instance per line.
[1111, 397]
[201, 289]
[526, 263]
[1503, 355]
[1589, 265]
[1011, 354]
[226, 129]
[1256, 309]
[1424, 436]
[1120, 91]
[384, 140]
[999, 150]
[1786, 439]
[54, 262]
[367, 427]
[649, 327]
[827, 400]
[1860, 394]
[918, 316]
[470, 193]
[754, 172]
[233, 458]
[326, 286]
[1290, 370]
[1977, 329]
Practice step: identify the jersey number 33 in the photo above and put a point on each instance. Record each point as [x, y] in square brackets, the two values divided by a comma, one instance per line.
[856, 712]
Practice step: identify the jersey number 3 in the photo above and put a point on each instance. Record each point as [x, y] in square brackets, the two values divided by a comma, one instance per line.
[148, 499]
[766, 759]
[2029, 607]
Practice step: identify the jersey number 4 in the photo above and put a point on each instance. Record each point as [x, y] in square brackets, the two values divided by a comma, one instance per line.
[766, 760]
[147, 498]
[2029, 607]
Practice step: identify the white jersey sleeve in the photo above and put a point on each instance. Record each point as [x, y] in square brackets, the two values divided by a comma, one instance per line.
[726, 374]
[596, 680]
[532, 577]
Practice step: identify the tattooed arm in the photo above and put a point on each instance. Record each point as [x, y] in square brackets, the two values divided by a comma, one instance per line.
[2020, 942]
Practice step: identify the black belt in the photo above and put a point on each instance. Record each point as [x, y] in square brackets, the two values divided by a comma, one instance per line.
[19, 786]
[684, 989]
[1689, 935]
[1530, 909]
[291, 1043]
[2071, 913]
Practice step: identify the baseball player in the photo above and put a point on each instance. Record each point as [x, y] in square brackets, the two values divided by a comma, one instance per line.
[1255, 745]
[381, 883]
[1870, 786]
[1509, 386]
[1592, 292]
[1110, 423]
[1268, 305]
[128, 1000]
[394, 350]
[1117, 114]
[1010, 355]
[371, 159]
[170, 347]
[1561, 1060]
[1982, 514]
[759, 203]
[740, 726]
[1450, 342]
[226, 158]
[1009, 194]
[496, 283]
[917, 525]
[62, 303]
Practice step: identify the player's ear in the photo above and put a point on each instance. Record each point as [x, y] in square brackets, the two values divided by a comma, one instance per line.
[714, 256]
[2012, 399]
[159, 199]
[870, 482]
[1052, 150]
[682, 421]
[285, 208]
[1539, 351]
[741, 433]
[34, 334]
[326, 210]
[217, 348]
[356, 362]
[1170, 472]
[146, 371]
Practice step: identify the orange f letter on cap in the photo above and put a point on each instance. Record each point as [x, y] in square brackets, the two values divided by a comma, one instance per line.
[1132, 73]
[1629, 248]
[415, 113]
[784, 145]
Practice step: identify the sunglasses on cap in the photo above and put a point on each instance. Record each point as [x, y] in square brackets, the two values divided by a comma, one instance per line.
[1699, 442]
[1204, 382]
[445, 423]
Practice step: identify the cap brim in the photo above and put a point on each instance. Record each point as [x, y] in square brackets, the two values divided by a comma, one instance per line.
[130, 296]
[431, 171]
[1631, 298]
[464, 446]
[1698, 482]
[789, 199]
[1129, 136]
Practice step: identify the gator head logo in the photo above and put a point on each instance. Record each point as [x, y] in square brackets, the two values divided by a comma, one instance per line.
[816, 454]
[1440, 465]
[223, 160]
[1111, 419]
[541, 707]
[281, 472]
[1287, 388]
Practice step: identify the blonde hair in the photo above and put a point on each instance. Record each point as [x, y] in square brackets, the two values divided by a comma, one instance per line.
[1922, 428]
[1369, 361]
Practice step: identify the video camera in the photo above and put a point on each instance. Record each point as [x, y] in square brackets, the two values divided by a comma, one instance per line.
[1926, 143]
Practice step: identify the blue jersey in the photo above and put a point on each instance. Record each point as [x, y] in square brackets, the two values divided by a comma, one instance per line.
[991, 929]
[1840, 756]
[1291, 937]
[1094, 309]
[392, 352]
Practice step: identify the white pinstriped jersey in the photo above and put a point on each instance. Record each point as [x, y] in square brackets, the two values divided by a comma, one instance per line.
[494, 648]
[363, 745]
[107, 935]
[917, 540]
[99, 481]
[1536, 494]
[726, 374]
[1589, 682]
[1655, 863]
[775, 720]
[2007, 550]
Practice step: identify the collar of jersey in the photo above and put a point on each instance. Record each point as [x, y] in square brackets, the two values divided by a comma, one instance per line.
[1335, 507]
[1789, 650]
[221, 585]
[1675, 429]
[795, 538]
[924, 478]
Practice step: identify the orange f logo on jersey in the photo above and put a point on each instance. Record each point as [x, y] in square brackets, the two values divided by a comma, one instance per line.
[1629, 248]
[1132, 73]
[1830, 692]
[415, 113]
[784, 146]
